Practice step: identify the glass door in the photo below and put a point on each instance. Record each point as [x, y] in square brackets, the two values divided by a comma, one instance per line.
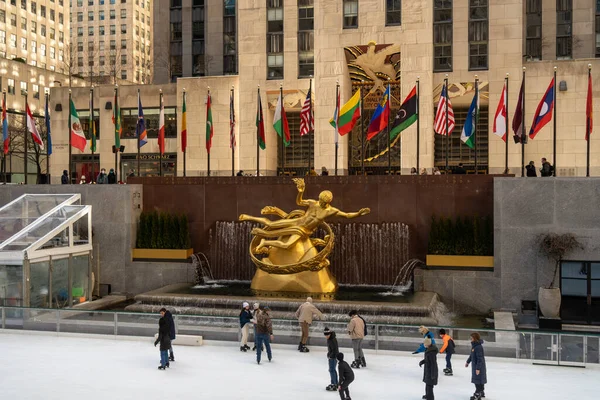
[594, 294]
[580, 288]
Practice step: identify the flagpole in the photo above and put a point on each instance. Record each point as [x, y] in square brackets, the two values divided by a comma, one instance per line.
[362, 128]
[27, 139]
[282, 132]
[418, 122]
[524, 130]
[46, 95]
[587, 125]
[230, 137]
[185, 148]
[554, 120]
[389, 105]
[506, 126]
[138, 136]
[208, 99]
[161, 149]
[309, 124]
[70, 165]
[337, 96]
[476, 120]
[258, 111]
[3, 153]
[91, 128]
[116, 117]
[447, 133]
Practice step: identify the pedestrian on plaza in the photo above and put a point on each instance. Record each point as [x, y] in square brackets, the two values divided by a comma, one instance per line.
[426, 334]
[547, 168]
[102, 178]
[423, 171]
[430, 372]
[112, 177]
[169, 318]
[448, 348]
[478, 368]
[305, 314]
[531, 171]
[357, 332]
[64, 179]
[164, 339]
[413, 171]
[240, 173]
[312, 172]
[324, 171]
[264, 333]
[436, 171]
[460, 170]
[82, 180]
[131, 174]
[245, 322]
[346, 377]
[332, 352]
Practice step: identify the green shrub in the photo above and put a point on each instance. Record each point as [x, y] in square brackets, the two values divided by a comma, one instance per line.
[162, 231]
[462, 236]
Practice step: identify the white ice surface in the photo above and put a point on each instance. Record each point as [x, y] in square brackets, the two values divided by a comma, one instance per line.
[49, 367]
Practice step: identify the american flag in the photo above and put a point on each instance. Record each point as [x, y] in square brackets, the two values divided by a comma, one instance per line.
[440, 115]
[307, 119]
[232, 142]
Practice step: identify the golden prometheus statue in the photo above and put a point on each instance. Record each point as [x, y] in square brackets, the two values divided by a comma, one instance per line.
[287, 257]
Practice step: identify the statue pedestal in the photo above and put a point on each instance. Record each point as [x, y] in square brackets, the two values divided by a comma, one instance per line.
[310, 282]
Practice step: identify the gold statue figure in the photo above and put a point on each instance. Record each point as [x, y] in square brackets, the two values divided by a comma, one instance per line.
[293, 260]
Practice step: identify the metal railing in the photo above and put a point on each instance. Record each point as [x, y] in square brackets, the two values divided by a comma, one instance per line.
[557, 348]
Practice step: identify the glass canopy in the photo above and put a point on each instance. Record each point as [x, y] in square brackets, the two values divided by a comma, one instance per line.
[35, 227]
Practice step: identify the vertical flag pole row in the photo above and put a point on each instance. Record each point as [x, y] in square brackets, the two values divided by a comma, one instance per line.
[310, 153]
[554, 122]
[69, 167]
[389, 105]
[282, 133]
[506, 126]
[446, 130]
[26, 158]
[117, 138]
[184, 132]
[5, 137]
[161, 133]
[48, 139]
[232, 131]
[588, 119]
[259, 123]
[476, 121]
[363, 137]
[337, 123]
[138, 136]
[524, 131]
[91, 131]
[418, 122]
[208, 131]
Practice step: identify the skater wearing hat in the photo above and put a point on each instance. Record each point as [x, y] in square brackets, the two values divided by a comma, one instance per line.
[305, 315]
[430, 372]
[245, 322]
[332, 352]
[426, 334]
[346, 377]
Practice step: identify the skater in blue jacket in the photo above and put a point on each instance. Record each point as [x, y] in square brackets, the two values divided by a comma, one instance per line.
[426, 334]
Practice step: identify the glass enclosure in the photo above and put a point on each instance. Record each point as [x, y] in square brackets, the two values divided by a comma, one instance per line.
[45, 248]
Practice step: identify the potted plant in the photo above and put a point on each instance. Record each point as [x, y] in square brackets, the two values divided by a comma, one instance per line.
[555, 247]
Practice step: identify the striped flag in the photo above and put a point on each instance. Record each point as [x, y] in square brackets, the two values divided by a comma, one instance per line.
[500, 118]
[49, 134]
[232, 142]
[307, 119]
[142, 134]
[161, 126]
[589, 109]
[183, 126]
[440, 115]
[336, 117]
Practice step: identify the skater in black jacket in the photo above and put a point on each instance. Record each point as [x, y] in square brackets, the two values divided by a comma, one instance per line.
[332, 352]
[478, 368]
[346, 377]
[165, 342]
[169, 318]
[430, 372]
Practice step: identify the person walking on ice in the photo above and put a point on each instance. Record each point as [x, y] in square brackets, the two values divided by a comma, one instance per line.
[264, 333]
[346, 377]
[356, 330]
[305, 314]
[448, 348]
[164, 339]
[478, 368]
[332, 352]
[430, 372]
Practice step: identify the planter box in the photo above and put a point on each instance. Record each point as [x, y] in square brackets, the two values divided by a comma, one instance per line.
[459, 262]
[163, 255]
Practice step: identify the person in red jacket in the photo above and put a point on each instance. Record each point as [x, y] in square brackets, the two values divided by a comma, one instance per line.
[448, 348]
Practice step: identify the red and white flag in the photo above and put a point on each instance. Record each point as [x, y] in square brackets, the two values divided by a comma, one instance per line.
[500, 118]
[307, 119]
[589, 109]
[31, 128]
[441, 117]
[232, 142]
[161, 127]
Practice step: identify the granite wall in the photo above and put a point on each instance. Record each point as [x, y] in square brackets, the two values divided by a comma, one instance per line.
[524, 209]
[115, 209]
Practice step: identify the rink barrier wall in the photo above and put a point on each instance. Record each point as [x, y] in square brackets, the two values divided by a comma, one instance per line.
[553, 348]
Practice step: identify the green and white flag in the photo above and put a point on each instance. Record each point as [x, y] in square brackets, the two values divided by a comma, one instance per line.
[470, 129]
[280, 122]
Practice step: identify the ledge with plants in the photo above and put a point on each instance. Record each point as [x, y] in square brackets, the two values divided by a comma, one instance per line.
[162, 237]
[461, 243]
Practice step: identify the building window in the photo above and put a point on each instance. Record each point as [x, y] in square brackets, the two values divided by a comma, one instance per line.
[123, 13]
[478, 34]
[306, 38]
[23, 44]
[11, 86]
[2, 16]
[198, 60]
[274, 39]
[33, 27]
[33, 46]
[124, 28]
[43, 49]
[123, 74]
[229, 37]
[597, 28]
[442, 35]
[123, 59]
[151, 118]
[393, 12]
[101, 15]
[90, 15]
[113, 29]
[13, 19]
[2, 37]
[52, 53]
[101, 30]
[36, 91]
[564, 29]
[113, 44]
[23, 23]
[34, 7]
[80, 61]
[350, 14]
[79, 46]
[79, 17]
[112, 14]
[23, 88]
[61, 18]
[297, 153]
[52, 14]
[43, 11]
[533, 41]
[90, 31]
[13, 40]
[79, 30]
[52, 33]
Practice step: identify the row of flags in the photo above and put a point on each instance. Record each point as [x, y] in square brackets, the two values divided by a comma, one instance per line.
[31, 127]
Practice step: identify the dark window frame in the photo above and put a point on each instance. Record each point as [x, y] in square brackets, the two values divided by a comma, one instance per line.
[306, 39]
[393, 11]
[346, 19]
[533, 42]
[476, 26]
[275, 41]
[439, 26]
[564, 41]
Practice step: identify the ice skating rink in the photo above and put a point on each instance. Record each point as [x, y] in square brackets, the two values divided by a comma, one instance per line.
[51, 367]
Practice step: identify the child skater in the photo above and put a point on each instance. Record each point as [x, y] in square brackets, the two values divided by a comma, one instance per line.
[346, 376]
[447, 348]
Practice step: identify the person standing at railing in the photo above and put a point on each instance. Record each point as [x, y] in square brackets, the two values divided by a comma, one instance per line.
[264, 333]
[305, 315]
[448, 348]
[356, 330]
[426, 334]
[478, 367]
[245, 322]
[169, 318]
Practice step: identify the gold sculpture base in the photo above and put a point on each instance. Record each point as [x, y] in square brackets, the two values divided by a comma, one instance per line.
[320, 282]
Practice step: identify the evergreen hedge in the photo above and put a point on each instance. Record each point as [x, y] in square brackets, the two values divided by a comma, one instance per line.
[162, 231]
[463, 236]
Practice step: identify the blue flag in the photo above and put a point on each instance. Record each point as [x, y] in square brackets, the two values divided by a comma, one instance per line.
[468, 132]
[141, 125]
[47, 118]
